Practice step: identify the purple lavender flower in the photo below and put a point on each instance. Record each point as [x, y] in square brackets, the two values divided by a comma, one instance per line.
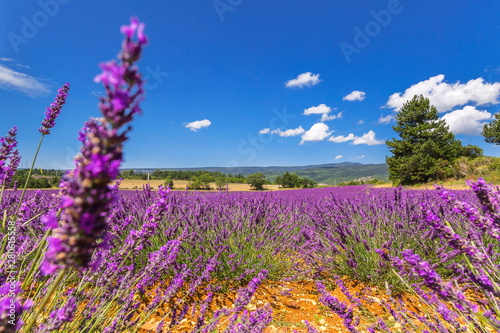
[344, 312]
[414, 265]
[454, 239]
[484, 223]
[310, 328]
[245, 294]
[332, 302]
[60, 316]
[203, 311]
[54, 110]
[138, 239]
[86, 189]
[489, 197]
[254, 322]
[9, 157]
[159, 263]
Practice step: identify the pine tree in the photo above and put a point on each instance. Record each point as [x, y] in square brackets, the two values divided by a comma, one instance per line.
[491, 131]
[426, 147]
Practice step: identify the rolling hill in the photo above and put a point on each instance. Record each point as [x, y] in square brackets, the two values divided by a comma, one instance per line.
[331, 174]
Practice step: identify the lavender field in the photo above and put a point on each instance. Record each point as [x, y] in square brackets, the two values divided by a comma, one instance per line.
[92, 258]
[168, 253]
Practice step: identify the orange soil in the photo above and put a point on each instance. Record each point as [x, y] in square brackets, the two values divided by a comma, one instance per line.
[292, 303]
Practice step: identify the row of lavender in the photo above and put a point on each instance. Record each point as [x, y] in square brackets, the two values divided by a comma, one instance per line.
[90, 260]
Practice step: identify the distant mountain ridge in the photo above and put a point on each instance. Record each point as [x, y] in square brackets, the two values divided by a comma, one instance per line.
[330, 173]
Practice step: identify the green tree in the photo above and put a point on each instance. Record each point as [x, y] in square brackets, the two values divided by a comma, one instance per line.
[290, 180]
[471, 151]
[221, 182]
[169, 182]
[426, 148]
[491, 131]
[286, 180]
[202, 182]
[257, 181]
[307, 183]
[128, 174]
[55, 181]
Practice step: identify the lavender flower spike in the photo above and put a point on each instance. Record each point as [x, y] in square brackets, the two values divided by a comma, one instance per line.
[9, 154]
[54, 110]
[86, 190]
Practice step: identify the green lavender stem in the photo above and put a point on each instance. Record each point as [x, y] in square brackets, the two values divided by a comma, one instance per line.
[29, 175]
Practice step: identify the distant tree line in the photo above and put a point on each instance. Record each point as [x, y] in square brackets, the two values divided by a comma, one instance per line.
[212, 176]
[40, 178]
[287, 180]
[361, 182]
[203, 181]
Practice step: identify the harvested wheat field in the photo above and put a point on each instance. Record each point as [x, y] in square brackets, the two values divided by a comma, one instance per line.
[128, 184]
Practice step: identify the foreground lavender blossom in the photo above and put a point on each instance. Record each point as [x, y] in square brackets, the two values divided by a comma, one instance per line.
[54, 110]
[9, 157]
[414, 265]
[86, 189]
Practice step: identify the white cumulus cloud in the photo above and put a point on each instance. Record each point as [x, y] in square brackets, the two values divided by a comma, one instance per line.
[356, 95]
[27, 84]
[469, 120]
[324, 111]
[320, 109]
[366, 139]
[307, 79]
[291, 132]
[338, 157]
[445, 96]
[342, 138]
[198, 124]
[386, 119]
[326, 117]
[317, 132]
[286, 133]
[265, 131]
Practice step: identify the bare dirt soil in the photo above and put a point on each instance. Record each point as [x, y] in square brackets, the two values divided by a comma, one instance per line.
[293, 303]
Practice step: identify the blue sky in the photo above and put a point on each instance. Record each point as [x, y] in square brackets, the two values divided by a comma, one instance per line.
[252, 83]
